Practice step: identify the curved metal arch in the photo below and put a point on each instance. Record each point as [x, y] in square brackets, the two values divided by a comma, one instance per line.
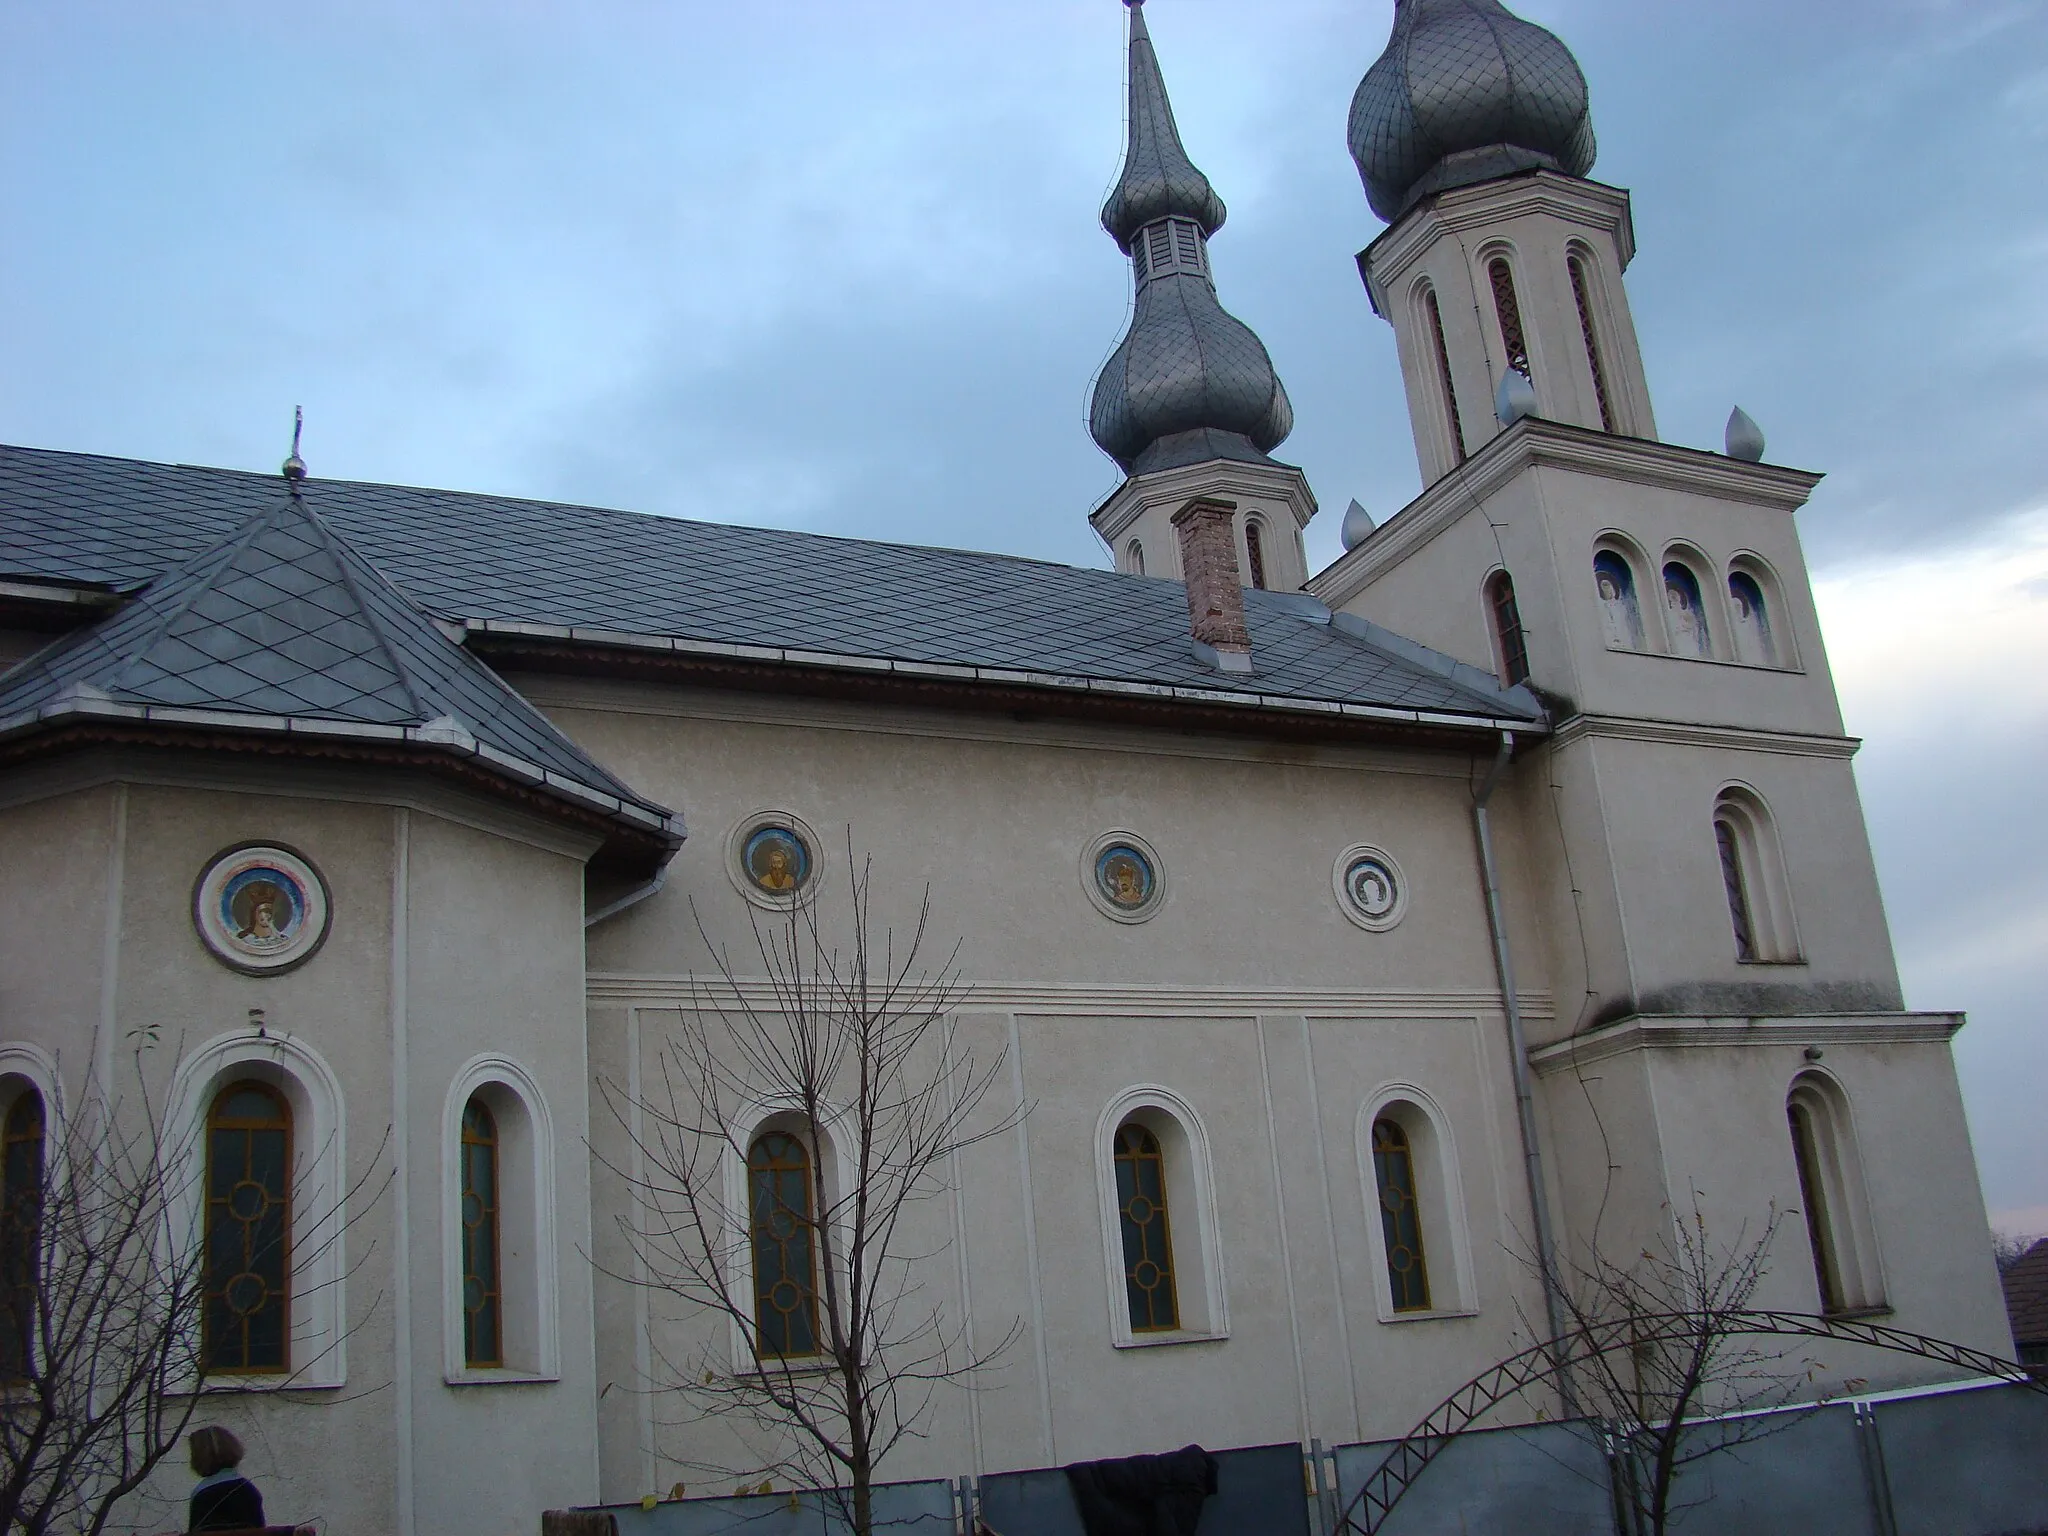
[1413, 1453]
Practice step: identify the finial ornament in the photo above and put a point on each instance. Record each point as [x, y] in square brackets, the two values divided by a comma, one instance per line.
[295, 467]
[1357, 526]
[1514, 398]
[1744, 439]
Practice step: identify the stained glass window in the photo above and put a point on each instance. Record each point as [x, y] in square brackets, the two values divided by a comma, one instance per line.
[482, 1289]
[1393, 1166]
[782, 1220]
[247, 1321]
[1148, 1242]
[21, 1222]
[1507, 628]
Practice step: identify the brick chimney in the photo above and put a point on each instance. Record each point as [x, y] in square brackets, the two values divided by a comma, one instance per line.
[1208, 554]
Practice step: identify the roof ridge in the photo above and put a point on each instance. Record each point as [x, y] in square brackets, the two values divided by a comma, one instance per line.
[344, 554]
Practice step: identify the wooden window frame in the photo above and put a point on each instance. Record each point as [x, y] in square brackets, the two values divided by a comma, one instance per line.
[1433, 314]
[1511, 641]
[1575, 264]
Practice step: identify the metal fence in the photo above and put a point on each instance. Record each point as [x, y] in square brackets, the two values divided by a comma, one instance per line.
[1971, 1461]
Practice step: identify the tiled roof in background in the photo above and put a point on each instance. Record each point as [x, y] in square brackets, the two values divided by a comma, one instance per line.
[2026, 1295]
[78, 518]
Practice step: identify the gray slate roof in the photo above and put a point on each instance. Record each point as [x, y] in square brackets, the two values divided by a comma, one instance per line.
[472, 558]
[280, 625]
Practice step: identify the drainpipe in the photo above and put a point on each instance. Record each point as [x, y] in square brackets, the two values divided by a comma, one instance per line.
[1518, 1060]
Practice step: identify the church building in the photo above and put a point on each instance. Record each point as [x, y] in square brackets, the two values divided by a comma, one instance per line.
[1500, 889]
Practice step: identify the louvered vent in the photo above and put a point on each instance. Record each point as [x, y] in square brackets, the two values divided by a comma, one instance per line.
[1169, 248]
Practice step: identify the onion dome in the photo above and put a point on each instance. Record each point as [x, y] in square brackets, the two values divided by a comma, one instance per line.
[1189, 382]
[1465, 92]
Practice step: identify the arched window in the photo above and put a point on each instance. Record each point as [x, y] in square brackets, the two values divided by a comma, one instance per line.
[21, 1226]
[1831, 1196]
[1753, 880]
[1255, 553]
[1162, 1250]
[1580, 285]
[782, 1223]
[1752, 620]
[1147, 1237]
[1393, 1166]
[483, 1342]
[1134, 552]
[1507, 628]
[1685, 611]
[1509, 310]
[247, 1320]
[1621, 620]
[1435, 318]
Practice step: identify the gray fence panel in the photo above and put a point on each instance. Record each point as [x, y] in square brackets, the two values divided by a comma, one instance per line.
[1534, 1480]
[1967, 1463]
[1803, 1475]
[910, 1509]
[1260, 1491]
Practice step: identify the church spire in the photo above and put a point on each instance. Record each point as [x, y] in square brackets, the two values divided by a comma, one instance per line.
[1158, 179]
[1190, 382]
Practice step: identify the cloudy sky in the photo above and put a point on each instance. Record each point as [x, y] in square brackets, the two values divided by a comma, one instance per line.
[833, 264]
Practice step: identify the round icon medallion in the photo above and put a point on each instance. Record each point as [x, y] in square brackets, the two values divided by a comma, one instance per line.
[1122, 876]
[260, 908]
[777, 860]
[1370, 889]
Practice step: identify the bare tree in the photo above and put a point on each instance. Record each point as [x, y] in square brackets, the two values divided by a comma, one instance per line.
[2008, 1248]
[792, 1127]
[1678, 1372]
[102, 1303]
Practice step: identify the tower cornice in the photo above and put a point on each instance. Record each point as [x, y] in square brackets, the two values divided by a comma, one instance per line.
[1593, 205]
[1533, 443]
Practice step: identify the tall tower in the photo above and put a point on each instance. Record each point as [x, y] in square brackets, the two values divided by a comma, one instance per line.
[1692, 883]
[1473, 134]
[1189, 404]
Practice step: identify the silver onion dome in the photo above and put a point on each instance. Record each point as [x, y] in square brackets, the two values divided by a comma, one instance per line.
[1189, 382]
[1466, 91]
[1158, 179]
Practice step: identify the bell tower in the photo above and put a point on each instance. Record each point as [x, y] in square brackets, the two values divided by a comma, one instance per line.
[1473, 134]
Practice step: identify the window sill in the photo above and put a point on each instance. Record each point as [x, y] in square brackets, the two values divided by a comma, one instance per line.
[1857, 1314]
[1167, 1336]
[1767, 961]
[497, 1376]
[1429, 1315]
[269, 1381]
[805, 1365]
